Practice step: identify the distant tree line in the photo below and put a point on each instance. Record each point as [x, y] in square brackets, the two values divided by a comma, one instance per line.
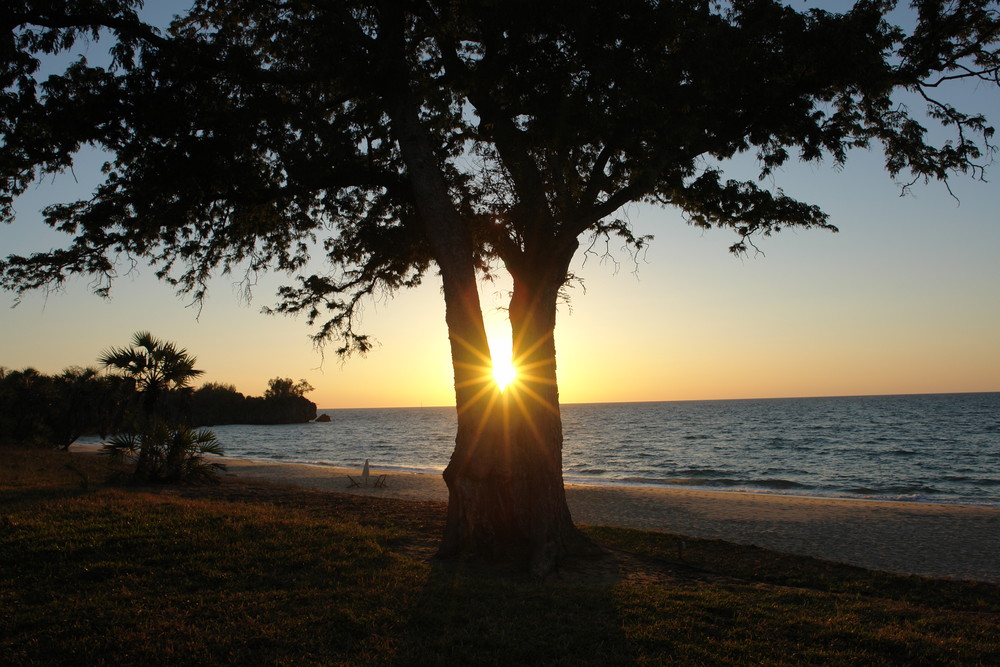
[55, 410]
[283, 402]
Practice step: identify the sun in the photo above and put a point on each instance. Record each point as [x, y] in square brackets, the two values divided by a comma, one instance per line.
[504, 373]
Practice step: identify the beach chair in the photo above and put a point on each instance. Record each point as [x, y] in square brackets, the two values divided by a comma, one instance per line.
[361, 481]
[366, 476]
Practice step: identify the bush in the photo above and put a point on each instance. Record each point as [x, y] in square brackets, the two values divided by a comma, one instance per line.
[164, 453]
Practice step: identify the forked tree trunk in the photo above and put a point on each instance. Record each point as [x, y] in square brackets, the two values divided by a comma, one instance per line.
[506, 499]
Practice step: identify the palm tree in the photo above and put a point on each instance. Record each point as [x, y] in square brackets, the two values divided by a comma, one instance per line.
[153, 365]
[172, 453]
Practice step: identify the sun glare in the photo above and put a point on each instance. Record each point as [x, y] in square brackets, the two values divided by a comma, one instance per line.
[503, 373]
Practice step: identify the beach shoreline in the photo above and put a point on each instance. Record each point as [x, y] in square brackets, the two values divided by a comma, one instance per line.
[590, 481]
[928, 539]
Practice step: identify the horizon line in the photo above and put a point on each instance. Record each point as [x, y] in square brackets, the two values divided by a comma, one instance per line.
[699, 400]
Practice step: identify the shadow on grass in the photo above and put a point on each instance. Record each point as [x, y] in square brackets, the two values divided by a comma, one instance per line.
[465, 614]
[756, 564]
[11, 497]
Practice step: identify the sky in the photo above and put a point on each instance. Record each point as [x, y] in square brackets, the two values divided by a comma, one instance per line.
[904, 299]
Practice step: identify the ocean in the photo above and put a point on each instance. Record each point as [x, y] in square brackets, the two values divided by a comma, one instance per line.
[928, 448]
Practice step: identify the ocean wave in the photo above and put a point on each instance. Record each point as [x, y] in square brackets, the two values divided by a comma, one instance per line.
[894, 491]
[671, 481]
[701, 472]
[780, 484]
[716, 482]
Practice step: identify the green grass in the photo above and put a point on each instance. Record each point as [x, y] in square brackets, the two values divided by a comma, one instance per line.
[257, 574]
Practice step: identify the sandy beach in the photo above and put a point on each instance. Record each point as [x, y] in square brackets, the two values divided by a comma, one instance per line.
[953, 541]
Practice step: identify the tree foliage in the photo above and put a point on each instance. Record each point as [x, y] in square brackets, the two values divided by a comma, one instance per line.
[55, 410]
[40, 410]
[153, 365]
[248, 136]
[284, 402]
[167, 453]
[286, 387]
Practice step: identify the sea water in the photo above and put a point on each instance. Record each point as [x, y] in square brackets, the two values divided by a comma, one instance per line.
[931, 448]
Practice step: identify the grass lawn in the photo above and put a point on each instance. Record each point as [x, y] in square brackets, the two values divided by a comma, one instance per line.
[250, 573]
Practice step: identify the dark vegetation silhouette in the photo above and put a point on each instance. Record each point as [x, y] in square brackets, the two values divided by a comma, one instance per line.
[464, 138]
[152, 367]
[145, 401]
[161, 446]
[55, 410]
[283, 402]
[39, 410]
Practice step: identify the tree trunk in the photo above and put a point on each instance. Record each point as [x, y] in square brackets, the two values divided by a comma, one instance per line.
[506, 498]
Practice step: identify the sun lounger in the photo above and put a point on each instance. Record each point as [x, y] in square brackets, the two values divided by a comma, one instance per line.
[377, 481]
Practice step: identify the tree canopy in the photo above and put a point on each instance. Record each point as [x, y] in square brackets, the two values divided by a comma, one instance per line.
[280, 387]
[249, 136]
[154, 365]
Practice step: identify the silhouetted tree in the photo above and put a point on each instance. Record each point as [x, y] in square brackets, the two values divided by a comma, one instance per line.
[55, 410]
[217, 403]
[115, 404]
[169, 453]
[283, 403]
[77, 392]
[282, 387]
[159, 445]
[154, 367]
[25, 400]
[468, 136]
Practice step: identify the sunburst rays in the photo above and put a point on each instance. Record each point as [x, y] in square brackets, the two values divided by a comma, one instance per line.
[507, 395]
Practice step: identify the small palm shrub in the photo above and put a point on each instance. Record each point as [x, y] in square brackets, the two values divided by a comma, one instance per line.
[167, 453]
